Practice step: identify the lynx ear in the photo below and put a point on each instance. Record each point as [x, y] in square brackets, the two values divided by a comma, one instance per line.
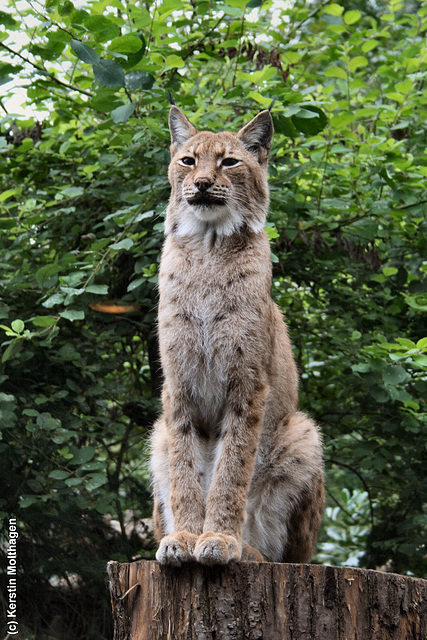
[180, 127]
[257, 134]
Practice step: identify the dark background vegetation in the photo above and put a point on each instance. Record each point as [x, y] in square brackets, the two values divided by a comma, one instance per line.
[84, 190]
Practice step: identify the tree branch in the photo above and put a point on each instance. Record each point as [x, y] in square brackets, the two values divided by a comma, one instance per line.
[46, 73]
[310, 15]
[362, 480]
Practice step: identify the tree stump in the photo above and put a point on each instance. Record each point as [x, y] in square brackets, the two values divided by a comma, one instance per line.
[249, 601]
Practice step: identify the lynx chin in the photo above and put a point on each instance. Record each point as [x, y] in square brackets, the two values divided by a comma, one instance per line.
[237, 470]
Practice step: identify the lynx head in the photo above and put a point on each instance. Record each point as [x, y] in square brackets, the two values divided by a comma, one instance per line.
[219, 180]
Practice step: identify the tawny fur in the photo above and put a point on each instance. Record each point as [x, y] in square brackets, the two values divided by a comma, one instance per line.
[237, 469]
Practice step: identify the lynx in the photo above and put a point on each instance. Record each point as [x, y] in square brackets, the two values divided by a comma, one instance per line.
[237, 470]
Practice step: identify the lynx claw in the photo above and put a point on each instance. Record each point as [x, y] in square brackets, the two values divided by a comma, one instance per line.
[217, 548]
[176, 548]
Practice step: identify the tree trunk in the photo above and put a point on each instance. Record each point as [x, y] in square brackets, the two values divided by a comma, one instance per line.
[249, 601]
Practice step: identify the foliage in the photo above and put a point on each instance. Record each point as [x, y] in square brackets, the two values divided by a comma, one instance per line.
[346, 529]
[82, 204]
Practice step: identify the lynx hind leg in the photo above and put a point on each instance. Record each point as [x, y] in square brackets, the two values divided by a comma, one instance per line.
[158, 522]
[162, 513]
[284, 505]
[306, 516]
[305, 523]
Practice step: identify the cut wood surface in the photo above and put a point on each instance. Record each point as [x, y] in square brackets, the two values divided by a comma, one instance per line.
[249, 601]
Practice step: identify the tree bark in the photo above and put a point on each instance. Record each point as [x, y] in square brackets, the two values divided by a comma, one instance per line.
[250, 601]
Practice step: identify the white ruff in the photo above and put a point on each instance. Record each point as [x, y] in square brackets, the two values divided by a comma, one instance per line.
[200, 221]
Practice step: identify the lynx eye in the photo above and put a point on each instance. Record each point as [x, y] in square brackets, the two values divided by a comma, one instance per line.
[229, 162]
[188, 161]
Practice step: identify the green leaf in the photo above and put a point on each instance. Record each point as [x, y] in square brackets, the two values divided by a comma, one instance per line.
[310, 125]
[45, 420]
[53, 300]
[123, 113]
[236, 12]
[65, 8]
[132, 59]
[8, 21]
[295, 171]
[369, 45]
[362, 367]
[136, 80]
[305, 113]
[341, 119]
[18, 326]
[8, 330]
[258, 97]
[73, 482]
[73, 192]
[72, 314]
[13, 349]
[44, 321]
[272, 232]
[96, 480]
[101, 27]
[126, 44]
[99, 289]
[355, 63]
[417, 302]
[395, 375]
[83, 455]
[394, 95]
[136, 283]
[84, 52]
[405, 86]
[335, 72]
[351, 17]
[32, 413]
[422, 344]
[7, 223]
[27, 501]
[109, 73]
[59, 474]
[390, 271]
[284, 125]
[333, 9]
[8, 193]
[174, 62]
[140, 17]
[126, 244]
[44, 273]
[400, 394]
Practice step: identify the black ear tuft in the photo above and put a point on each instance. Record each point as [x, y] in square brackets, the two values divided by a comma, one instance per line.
[172, 101]
[256, 136]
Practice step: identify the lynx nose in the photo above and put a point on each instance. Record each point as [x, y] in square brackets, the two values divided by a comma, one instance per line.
[203, 184]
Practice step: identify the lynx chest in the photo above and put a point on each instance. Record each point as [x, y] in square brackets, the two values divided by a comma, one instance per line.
[212, 311]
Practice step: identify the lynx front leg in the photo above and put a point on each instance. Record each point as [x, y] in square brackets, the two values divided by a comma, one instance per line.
[221, 540]
[179, 498]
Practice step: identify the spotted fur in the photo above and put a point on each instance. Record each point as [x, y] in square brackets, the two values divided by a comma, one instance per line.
[237, 469]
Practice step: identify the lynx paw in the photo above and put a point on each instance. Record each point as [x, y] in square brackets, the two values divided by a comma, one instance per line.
[249, 554]
[176, 548]
[217, 548]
